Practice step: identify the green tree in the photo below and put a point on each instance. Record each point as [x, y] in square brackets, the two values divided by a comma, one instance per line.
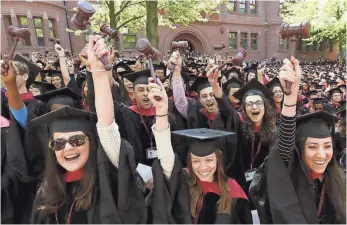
[328, 20]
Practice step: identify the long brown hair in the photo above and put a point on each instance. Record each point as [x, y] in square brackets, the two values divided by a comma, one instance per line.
[268, 129]
[54, 191]
[224, 203]
[335, 186]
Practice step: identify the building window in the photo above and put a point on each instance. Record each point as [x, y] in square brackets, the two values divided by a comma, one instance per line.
[253, 7]
[24, 23]
[242, 6]
[232, 40]
[129, 41]
[51, 27]
[254, 41]
[231, 6]
[283, 44]
[243, 40]
[39, 31]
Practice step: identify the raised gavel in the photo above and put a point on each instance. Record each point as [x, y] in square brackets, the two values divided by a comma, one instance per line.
[151, 53]
[179, 45]
[239, 57]
[219, 47]
[294, 31]
[16, 33]
[80, 20]
[55, 41]
[146, 48]
[112, 33]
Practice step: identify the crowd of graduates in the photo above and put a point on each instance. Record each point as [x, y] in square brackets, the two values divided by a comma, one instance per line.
[202, 140]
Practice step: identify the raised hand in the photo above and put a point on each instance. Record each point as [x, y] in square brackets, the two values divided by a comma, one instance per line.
[59, 50]
[157, 95]
[97, 48]
[213, 75]
[175, 62]
[10, 75]
[291, 71]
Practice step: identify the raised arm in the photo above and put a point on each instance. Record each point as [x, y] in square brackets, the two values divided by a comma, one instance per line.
[291, 72]
[107, 128]
[180, 99]
[161, 129]
[62, 62]
[15, 102]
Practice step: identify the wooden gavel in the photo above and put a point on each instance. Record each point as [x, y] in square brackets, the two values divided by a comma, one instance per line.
[182, 45]
[239, 57]
[151, 53]
[146, 48]
[16, 33]
[293, 31]
[112, 33]
[55, 41]
[219, 47]
[81, 21]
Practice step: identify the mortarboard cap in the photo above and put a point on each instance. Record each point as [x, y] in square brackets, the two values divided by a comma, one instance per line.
[66, 119]
[43, 87]
[233, 69]
[273, 83]
[309, 93]
[251, 68]
[253, 87]
[317, 101]
[160, 66]
[199, 84]
[318, 86]
[232, 83]
[205, 140]
[62, 96]
[121, 64]
[335, 90]
[139, 77]
[33, 69]
[315, 125]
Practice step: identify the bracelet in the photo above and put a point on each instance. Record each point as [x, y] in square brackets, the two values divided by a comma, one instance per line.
[289, 105]
[92, 71]
[161, 115]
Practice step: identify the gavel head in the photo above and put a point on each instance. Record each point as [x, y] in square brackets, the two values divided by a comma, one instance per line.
[295, 30]
[146, 48]
[85, 10]
[179, 45]
[54, 40]
[109, 31]
[19, 32]
[239, 57]
[26, 54]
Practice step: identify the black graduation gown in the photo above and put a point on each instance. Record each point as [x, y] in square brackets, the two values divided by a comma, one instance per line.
[302, 100]
[116, 199]
[243, 154]
[199, 118]
[133, 129]
[298, 203]
[19, 175]
[171, 201]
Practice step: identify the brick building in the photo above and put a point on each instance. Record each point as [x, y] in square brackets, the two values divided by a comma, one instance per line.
[253, 25]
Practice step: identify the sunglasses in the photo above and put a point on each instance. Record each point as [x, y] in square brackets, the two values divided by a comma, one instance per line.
[60, 143]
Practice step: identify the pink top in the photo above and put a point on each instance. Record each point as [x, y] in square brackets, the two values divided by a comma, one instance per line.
[4, 122]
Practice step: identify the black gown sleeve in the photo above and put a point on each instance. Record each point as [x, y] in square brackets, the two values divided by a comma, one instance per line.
[170, 197]
[90, 92]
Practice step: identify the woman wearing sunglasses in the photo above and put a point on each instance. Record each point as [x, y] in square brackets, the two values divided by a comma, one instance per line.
[81, 184]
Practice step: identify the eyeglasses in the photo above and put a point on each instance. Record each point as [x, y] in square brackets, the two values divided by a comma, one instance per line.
[257, 103]
[75, 141]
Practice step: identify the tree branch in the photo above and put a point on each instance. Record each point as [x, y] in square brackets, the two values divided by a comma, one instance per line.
[128, 21]
[122, 8]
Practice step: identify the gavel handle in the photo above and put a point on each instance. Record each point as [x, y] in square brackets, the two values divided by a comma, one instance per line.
[153, 75]
[10, 55]
[288, 90]
[103, 59]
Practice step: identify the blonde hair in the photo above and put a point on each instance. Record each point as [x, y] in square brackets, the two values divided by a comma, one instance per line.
[21, 68]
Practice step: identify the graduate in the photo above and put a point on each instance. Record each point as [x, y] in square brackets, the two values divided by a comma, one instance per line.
[202, 193]
[336, 98]
[303, 164]
[254, 126]
[302, 100]
[38, 88]
[80, 183]
[230, 88]
[275, 87]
